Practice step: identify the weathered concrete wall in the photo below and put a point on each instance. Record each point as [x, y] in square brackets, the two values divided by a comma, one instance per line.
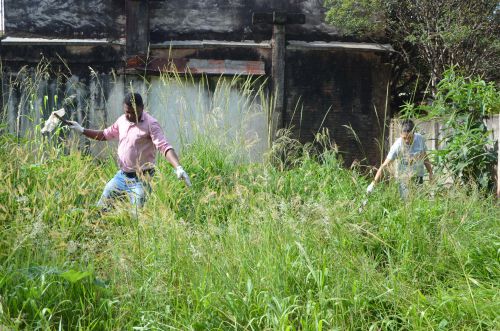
[213, 109]
[65, 18]
[344, 91]
[172, 19]
[185, 109]
[232, 20]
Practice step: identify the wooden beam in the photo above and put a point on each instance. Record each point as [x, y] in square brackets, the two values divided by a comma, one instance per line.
[278, 74]
[279, 20]
[137, 29]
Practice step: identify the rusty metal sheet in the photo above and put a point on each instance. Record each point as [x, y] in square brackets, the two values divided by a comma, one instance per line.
[195, 66]
[226, 67]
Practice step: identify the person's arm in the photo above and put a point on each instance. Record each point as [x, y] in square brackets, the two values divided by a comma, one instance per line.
[380, 170]
[393, 152]
[172, 158]
[164, 147]
[378, 175]
[93, 134]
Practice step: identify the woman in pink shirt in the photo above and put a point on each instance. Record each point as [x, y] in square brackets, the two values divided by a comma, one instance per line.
[139, 136]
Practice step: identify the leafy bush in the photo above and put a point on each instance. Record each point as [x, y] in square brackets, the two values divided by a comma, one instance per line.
[428, 36]
[462, 105]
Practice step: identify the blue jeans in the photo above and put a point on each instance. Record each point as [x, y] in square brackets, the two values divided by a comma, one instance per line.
[123, 186]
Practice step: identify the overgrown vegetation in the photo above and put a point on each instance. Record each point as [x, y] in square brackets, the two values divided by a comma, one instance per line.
[248, 247]
[447, 51]
[279, 244]
[467, 150]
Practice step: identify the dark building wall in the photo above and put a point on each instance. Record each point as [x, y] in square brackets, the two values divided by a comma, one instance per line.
[232, 20]
[338, 90]
[65, 18]
[102, 58]
[169, 20]
[351, 83]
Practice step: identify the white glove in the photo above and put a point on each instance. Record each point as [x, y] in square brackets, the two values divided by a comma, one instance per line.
[182, 174]
[75, 126]
[370, 187]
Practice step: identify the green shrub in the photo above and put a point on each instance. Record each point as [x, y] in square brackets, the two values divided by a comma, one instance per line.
[462, 105]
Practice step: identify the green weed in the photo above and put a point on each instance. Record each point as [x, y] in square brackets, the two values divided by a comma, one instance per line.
[273, 245]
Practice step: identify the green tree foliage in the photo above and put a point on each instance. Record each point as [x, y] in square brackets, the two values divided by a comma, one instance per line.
[430, 36]
[358, 17]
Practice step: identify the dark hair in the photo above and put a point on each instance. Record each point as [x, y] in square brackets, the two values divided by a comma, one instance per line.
[133, 98]
[407, 126]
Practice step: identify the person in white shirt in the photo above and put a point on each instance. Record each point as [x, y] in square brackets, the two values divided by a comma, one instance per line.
[411, 153]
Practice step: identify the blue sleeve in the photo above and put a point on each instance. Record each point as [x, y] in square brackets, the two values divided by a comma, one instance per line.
[394, 151]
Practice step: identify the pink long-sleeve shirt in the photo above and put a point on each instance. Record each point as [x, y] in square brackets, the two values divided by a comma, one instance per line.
[137, 142]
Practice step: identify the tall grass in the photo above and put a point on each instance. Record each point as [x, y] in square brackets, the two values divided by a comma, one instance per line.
[276, 245]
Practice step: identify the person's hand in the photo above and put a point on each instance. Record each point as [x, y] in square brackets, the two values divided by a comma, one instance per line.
[370, 188]
[182, 174]
[75, 126]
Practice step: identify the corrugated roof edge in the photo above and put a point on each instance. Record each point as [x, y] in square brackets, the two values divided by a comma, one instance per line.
[321, 45]
[57, 41]
[292, 44]
[211, 43]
